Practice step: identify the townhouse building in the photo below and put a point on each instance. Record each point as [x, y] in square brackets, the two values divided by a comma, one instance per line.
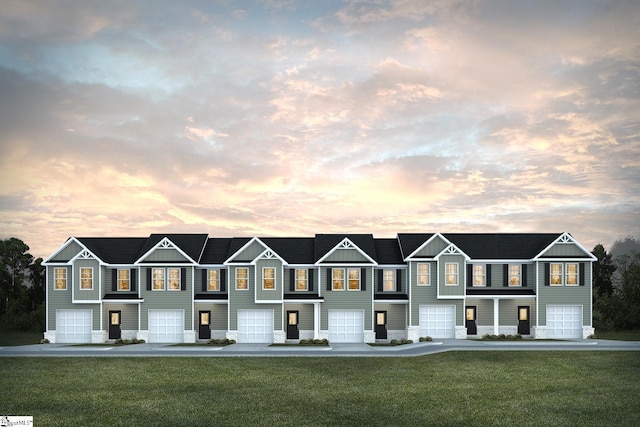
[182, 288]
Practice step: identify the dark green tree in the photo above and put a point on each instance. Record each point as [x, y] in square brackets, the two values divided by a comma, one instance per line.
[15, 260]
[603, 270]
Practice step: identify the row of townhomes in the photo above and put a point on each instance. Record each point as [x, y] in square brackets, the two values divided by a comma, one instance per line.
[174, 288]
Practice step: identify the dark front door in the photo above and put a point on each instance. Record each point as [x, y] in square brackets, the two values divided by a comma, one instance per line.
[470, 315]
[381, 325]
[114, 325]
[292, 325]
[204, 331]
[523, 320]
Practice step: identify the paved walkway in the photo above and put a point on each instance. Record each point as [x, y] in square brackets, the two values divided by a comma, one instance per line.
[334, 350]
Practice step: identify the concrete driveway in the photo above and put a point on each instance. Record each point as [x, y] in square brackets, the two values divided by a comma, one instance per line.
[334, 350]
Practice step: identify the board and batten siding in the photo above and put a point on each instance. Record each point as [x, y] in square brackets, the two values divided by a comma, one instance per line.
[164, 256]
[246, 299]
[346, 255]
[422, 295]
[564, 250]
[165, 300]
[250, 252]
[347, 300]
[71, 250]
[85, 294]
[455, 290]
[269, 294]
[57, 299]
[128, 316]
[434, 247]
[564, 295]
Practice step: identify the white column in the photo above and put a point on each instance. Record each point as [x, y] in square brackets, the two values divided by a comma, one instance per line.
[496, 315]
[316, 320]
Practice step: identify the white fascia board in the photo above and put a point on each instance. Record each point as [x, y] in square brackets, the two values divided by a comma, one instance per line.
[86, 254]
[347, 264]
[396, 266]
[64, 245]
[500, 261]
[451, 297]
[211, 301]
[410, 257]
[246, 245]
[501, 297]
[565, 238]
[210, 266]
[263, 256]
[343, 242]
[391, 301]
[275, 301]
[164, 241]
[452, 250]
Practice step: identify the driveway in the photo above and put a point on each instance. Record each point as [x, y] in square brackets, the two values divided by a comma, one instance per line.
[334, 350]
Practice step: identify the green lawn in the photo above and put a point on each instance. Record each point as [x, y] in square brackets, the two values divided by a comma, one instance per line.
[456, 388]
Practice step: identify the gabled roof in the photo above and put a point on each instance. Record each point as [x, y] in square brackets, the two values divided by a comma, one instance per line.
[410, 242]
[294, 250]
[191, 244]
[501, 245]
[325, 243]
[216, 251]
[388, 251]
[114, 250]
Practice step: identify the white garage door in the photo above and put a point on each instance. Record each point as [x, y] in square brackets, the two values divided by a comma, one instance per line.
[166, 326]
[346, 326]
[73, 326]
[255, 326]
[564, 321]
[438, 321]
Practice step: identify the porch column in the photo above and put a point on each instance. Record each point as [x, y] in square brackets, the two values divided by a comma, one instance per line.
[496, 315]
[316, 320]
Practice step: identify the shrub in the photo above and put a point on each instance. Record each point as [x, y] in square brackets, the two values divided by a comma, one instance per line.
[223, 341]
[44, 341]
[424, 339]
[312, 341]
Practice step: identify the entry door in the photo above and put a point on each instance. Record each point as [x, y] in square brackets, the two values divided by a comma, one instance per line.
[204, 331]
[381, 325]
[523, 320]
[472, 327]
[114, 325]
[292, 325]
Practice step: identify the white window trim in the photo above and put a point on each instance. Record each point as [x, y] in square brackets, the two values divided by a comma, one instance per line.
[306, 280]
[55, 279]
[566, 274]
[333, 280]
[168, 279]
[428, 274]
[509, 276]
[82, 278]
[264, 278]
[118, 279]
[242, 278]
[394, 286]
[153, 280]
[551, 274]
[215, 281]
[474, 275]
[347, 279]
[446, 273]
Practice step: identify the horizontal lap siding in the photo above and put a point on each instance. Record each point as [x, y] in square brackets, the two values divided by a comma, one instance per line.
[57, 299]
[245, 299]
[422, 295]
[165, 300]
[484, 310]
[346, 300]
[305, 315]
[128, 317]
[396, 315]
[93, 294]
[218, 315]
[452, 290]
[564, 295]
[508, 313]
[268, 295]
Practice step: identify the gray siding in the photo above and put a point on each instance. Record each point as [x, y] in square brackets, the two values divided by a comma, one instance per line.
[86, 295]
[286, 281]
[57, 299]
[564, 295]
[434, 247]
[484, 310]
[165, 255]
[268, 294]
[250, 253]
[564, 250]
[245, 299]
[346, 255]
[165, 300]
[347, 300]
[508, 312]
[68, 252]
[128, 317]
[451, 290]
[396, 315]
[497, 274]
[305, 315]
[218, 315]
[422, 295]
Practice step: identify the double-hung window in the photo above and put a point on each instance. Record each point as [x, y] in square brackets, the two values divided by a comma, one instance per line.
[302, 283]
[423, 274]
[124, 280]
[60, 277]
[86, 278]
[173, 276]
[354, 279]
[157, 279]
[242, 278]
[479, 275]
[451, 274]
[337, 279]
[389, 280]
[514, 275]
[213, 280]
[556, 275]
[571, 276]
[268, 278]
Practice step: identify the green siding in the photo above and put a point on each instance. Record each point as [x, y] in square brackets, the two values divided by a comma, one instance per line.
[497, 274]
[422, 295]
[484, 310]
[434, 247]
[346, 255]
[452, 290]
[564, 250]
[286, 281]
[128, 317]
[346, 300]
[165, 255]
[218, 315]
[245, 299]
[250, 253]
[305, 315]
[564, 295]
[57, 299]
[268, 294]
[396, 316]
[508, 311]
[71, 250]
[83, 294]
[165, 300]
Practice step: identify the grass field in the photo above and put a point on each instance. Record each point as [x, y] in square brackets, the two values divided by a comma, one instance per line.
[458, 388]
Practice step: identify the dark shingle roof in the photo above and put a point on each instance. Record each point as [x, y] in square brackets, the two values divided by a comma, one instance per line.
[191, 244]
[388, 251]
[216, 251]
[114, 250]
[501, 245]
[325, 242]
[294, 250]
[409, 242]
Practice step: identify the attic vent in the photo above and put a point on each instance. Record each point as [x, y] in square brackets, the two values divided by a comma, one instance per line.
[346, 244]
[165, 244]
[268, 255]
[451, 250]
[565, 238]
[85, 255]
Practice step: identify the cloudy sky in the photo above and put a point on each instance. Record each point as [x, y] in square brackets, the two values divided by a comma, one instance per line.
[290, 118]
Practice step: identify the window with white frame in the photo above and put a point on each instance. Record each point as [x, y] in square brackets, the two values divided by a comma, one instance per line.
[354, 279]
[242, 278]
[389, 280]
[479, 275]
[571, 277]
[157, 279]
[451, 274]
[514, 275]
[556, 275]
[213, 280]
[423, 274]
[302, 283]
[60, 278]
[268, 278]
[86, 278]
[173, 279]
[124, 280]
[337, 279]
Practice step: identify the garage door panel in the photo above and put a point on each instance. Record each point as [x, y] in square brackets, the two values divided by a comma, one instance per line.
[437, 321]
[166, 326]
[346, 326]
[255, 326]
[73, 326]
[564, 321]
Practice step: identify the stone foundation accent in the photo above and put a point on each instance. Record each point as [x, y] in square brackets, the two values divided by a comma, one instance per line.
[232, 335]
[413, 333]
[51, 336]
[369, 337]
[279, 337]
[189, 337]
[461, 333]
[99, 337]
[586, 331]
